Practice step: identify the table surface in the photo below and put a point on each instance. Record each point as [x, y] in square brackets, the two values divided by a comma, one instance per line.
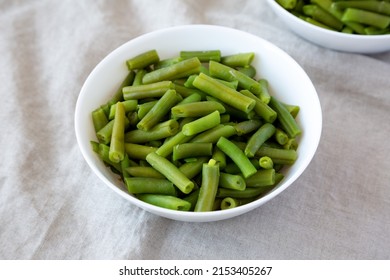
[53, 207]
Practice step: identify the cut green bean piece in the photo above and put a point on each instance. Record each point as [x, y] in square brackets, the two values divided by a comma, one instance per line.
[159, 110]
[165, 201]
[266, 162]
[197, 109]
[147, 91]
[189, 150]
[179, 70]
[138, 185]
[229, 203]
[278, 156]
[117, 146]
[250, 71]
[204, 123]
[258, 138]
[99, 119]
[137, 151]
[170, 171]
[232, 181]
[212, 135]
[381, 7]
[224, 93]
[193, 168]
[287, 121]
[262, 178]
[287, 4]
[144, 172]
[209, 186]
[158, 132]
[322, 16]
[227, 73]
[237, 155]
[203, 56]
[143, 60]
[366, 17]
[167, 148]
[247, 193]
[238, 60]
[167, 62]
[280, 136]
[246, 127]
[261, 108]
[144, 108]
[129, 105]
[185, 92]
[104, 153]
[219, 157]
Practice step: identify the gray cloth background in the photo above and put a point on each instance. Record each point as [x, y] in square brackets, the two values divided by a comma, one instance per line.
[53, 207]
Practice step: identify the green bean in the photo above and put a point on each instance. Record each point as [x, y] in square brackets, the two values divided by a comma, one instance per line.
[126, 163]
[99, 119]
[278, 156]
[280, 136]
[137, 151]
[129, 105]
[203, 56]
[291, 144]
[167, 62]
[227, 73]
[195, 97]
[232, 181]
[167, 148]
[322, 16]
[193, 168]
[212, 135]
[237, 155]
[263, 93]
[229, 203]
[151, 90]
[138, 77]
[117, 146]
[144, 108]
[266, 162]
[366, 17]
[262, 178]
[234, 112]
[258, 138]
[170, 171]
[250, 71]
[238, 59]
[139, 185]
[185, 92]
[143, 60]
[159, 110]
[181, 69]
[165, 201]
[159, 131]
[246, 127]
[144, 171]
[224, 93]
[219, 157]
[261, 108]
[381, 7]
[189, 150]
[104, 153]
[197, 109]
[209, 186]
[104, 135]
[287, 4]
[202, 124]
[287, 122]
[293, 109]
[247, 193]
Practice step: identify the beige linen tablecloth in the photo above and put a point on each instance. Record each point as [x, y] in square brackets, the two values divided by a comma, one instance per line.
[53, 207]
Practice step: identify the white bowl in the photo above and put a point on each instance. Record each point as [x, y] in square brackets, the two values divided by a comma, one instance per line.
[332, 39]
[287, 80]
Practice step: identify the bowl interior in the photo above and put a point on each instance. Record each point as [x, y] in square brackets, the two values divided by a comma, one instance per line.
[331, 39]
[287, 80]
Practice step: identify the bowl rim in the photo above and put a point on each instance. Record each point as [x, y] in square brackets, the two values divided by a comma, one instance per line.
[324, 30]
[183, 215]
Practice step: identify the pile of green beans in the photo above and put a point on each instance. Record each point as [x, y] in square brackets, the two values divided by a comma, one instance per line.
[197, 132]
[363, 17]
